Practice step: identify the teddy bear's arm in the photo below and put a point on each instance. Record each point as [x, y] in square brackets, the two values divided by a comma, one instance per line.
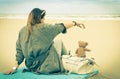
[86, 49]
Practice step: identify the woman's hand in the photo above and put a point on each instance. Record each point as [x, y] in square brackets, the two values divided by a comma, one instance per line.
[80, 25]
[12, 71]
[74, 23]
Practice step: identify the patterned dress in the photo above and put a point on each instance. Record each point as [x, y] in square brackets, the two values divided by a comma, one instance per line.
[39, 52]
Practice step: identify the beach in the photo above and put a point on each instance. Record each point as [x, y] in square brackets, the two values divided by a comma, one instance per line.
[103, 37]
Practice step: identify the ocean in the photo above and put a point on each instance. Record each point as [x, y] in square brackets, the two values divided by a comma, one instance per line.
[64, 17]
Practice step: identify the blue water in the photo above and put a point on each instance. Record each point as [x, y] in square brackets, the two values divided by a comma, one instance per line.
[62, 6]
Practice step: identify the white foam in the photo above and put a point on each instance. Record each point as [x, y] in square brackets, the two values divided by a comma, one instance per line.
[66, 17]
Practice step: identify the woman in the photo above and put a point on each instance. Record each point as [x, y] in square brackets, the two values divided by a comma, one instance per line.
[35, 44]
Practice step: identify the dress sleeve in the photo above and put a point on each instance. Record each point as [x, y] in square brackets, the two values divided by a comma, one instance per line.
[53, 30]
[56, 29]
[19, 54]
[60, 28]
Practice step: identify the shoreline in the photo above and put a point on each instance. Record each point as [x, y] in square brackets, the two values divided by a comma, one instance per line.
[64, 17]
[95, 19]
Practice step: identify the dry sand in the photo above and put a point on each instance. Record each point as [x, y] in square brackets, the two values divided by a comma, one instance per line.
[103, 37]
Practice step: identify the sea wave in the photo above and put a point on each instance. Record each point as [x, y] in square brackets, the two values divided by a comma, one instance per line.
[64, 17]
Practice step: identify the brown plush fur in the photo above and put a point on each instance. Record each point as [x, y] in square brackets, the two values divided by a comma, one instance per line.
[82, 48]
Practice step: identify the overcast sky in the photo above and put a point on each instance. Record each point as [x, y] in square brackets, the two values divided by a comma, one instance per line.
[61, 6]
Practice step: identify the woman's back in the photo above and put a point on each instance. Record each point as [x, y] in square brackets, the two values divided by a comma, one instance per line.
[40, 39]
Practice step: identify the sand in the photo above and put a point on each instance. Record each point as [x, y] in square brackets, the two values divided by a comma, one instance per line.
[102, 36]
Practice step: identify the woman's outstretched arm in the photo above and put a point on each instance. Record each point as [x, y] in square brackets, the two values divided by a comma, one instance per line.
[74, 23]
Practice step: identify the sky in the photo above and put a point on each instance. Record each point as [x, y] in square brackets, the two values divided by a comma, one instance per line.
[61, 6]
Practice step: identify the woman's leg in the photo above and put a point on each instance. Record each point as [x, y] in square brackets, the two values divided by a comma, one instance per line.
[60, 48]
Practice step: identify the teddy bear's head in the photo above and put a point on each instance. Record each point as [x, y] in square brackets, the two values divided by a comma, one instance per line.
[82, 44]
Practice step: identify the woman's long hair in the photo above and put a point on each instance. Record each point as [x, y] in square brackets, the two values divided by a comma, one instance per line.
[34, 17]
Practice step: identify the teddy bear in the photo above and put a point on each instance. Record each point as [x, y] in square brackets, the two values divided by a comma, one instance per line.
[80, 52]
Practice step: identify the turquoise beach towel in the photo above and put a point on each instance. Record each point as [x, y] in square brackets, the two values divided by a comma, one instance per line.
[29, 75]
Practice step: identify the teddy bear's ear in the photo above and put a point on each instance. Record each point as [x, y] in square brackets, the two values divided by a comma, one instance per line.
[79, 41]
